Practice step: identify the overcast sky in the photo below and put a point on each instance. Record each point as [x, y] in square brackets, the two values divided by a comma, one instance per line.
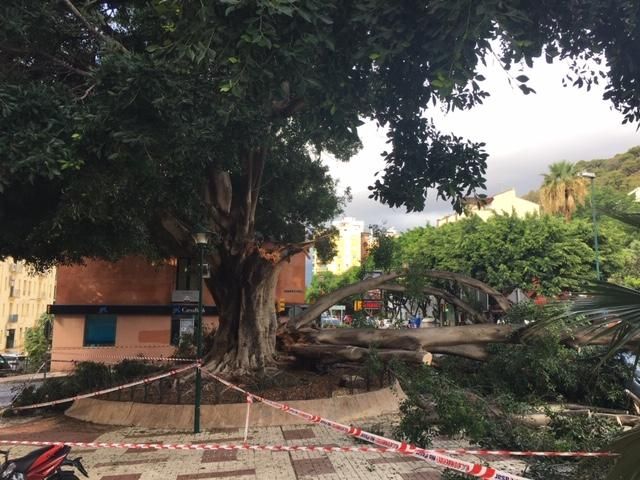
[524, 134]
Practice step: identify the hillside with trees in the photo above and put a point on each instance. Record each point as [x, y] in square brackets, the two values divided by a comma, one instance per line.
[620, 172]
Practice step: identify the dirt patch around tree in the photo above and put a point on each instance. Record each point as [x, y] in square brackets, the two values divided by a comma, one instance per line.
[286, 383]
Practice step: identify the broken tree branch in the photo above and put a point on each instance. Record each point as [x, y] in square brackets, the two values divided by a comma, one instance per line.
[93, 29]
[63, 63]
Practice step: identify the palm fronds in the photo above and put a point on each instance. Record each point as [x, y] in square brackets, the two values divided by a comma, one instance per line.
[630, 218]
[602, 309]
[607, 310]
[562, 189]
[627, 466]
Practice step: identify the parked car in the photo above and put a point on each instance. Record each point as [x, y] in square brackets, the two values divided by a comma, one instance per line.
[4, 364]
[328, 321]
[16, 362]
[386, 323]
[634, 383]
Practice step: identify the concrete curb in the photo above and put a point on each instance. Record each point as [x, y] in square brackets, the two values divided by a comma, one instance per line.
[180, 417]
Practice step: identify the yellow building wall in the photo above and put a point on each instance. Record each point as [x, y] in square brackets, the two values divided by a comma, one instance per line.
[349, 247]
[24, 296]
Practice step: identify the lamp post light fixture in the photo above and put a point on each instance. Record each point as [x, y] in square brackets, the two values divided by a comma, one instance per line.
[201, 239]
[592, 176]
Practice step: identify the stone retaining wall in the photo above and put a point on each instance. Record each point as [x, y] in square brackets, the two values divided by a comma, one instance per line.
[180, 417]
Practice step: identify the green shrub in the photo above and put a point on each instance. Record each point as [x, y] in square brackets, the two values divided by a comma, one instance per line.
[129, 370]
[36, 343]
[91, 376]
[87, 377]
[482, 401]
[51, 389]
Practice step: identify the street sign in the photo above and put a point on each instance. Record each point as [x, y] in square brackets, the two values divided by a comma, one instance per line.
[373, 294]
[371, 304]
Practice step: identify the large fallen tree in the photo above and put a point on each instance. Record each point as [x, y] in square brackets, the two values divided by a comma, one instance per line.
[468, 341]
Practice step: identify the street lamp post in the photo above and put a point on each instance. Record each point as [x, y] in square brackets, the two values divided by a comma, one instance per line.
[592, 176]
[201, 239]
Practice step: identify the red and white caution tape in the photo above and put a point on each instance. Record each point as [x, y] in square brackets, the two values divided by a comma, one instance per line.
[473, 469]
[107, 390]
[120, 358]
[244, 446]
[504, 453]
[109, 347]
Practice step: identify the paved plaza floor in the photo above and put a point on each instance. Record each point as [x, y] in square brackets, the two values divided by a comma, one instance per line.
[134, 464]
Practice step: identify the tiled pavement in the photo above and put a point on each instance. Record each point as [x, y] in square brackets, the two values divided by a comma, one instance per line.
[133, 464]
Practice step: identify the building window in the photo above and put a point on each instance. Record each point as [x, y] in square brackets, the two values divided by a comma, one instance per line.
[99, 330]
[187, 274]
[11, 336]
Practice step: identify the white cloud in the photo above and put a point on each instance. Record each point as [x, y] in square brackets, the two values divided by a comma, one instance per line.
[524, 134]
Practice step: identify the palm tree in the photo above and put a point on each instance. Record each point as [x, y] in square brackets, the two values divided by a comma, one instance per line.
[562, 190]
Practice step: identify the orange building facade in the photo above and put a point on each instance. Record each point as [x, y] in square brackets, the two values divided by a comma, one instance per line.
[107, 311]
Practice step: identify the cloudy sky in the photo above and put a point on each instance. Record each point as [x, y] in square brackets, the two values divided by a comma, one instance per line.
[524, 134]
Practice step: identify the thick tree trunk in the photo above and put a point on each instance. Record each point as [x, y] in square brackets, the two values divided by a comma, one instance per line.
[244, 291]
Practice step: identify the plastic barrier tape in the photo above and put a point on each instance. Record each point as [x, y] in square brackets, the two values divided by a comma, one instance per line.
[115, 357]
[469, 468]
[107, 390]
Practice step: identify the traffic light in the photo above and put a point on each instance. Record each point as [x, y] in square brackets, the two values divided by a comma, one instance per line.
[357, 305]
[281, 305]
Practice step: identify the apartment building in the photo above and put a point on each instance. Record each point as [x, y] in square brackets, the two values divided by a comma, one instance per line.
[24, 296]
[348, 246]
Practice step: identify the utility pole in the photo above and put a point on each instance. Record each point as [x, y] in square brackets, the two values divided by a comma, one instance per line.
[201, 240]
[592, 176]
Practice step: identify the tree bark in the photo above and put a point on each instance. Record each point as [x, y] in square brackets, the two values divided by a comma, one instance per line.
[500, 299]
[244, 292]
[334, 353]
[415, 339]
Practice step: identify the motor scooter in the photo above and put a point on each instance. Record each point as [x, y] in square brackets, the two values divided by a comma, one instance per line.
[46, 463]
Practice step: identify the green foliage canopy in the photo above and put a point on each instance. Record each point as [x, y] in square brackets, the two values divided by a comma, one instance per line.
[111, 112]
[545, 254]
[326, 282]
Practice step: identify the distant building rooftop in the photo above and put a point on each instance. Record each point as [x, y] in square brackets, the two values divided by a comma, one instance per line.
[485, 207]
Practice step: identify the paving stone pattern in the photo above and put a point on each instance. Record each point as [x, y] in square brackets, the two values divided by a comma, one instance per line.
[136, 464]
